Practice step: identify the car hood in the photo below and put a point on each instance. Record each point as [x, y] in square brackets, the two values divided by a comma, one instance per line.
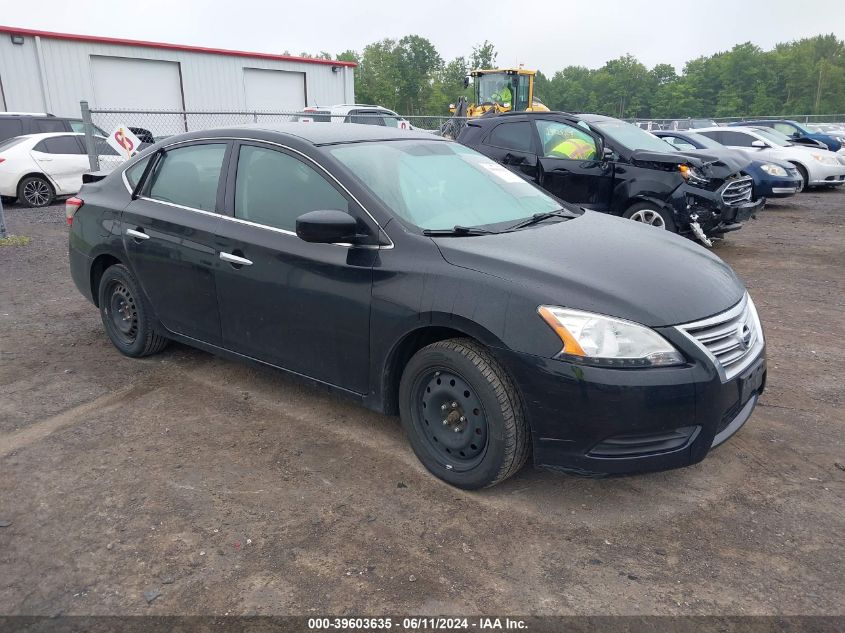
[604, 264]
[714, 164]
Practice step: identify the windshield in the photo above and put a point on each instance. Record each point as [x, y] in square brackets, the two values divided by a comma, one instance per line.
[493, 88]
[630, 136]
[773, 136]
[438, 185]
[705, 141]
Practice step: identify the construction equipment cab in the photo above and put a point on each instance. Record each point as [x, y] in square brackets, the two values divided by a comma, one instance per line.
[502, 90]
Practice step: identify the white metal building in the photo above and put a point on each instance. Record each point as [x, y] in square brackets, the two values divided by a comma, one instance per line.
[52, 72]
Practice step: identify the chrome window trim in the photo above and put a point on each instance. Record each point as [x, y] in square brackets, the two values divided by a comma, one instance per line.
[255, 224]
[723, 317]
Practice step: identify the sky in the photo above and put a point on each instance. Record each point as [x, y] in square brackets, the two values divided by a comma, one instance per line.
[544, 34]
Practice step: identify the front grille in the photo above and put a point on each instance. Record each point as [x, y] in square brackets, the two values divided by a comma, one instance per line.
[732, 339]
[737, 191]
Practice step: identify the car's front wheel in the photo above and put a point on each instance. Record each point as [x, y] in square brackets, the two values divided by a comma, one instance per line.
[125, 314]
[463, 415]
[651, 214]
[36, 191]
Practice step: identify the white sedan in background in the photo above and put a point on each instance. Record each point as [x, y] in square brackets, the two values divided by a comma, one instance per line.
[36, 168]
[818, 167]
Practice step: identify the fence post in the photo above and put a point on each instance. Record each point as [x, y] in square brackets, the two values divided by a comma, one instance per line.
[3, 234]
[88, 128]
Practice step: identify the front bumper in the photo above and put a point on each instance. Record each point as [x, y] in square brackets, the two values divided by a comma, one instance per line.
[709, 210]
[596, 421]
[827, 175]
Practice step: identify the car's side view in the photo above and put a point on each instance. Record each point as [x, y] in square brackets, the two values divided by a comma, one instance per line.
[420, 278]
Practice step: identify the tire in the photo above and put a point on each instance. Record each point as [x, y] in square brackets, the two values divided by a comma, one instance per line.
[35, 192]
[651, 214]
[481, 441]
[126, 315]
[802, 171]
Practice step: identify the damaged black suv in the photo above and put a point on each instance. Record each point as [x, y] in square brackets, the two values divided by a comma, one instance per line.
[608, 165]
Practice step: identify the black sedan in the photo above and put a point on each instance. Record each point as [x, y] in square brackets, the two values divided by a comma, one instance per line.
[420, 278]
[609, 165]
[772, 178]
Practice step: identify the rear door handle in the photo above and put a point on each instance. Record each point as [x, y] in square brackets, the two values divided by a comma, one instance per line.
[138, 235]
[235, 260]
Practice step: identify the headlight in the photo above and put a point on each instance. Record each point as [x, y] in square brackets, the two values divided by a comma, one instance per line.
[773, 170]
[824, 160]
[601, 340]
[693, 176]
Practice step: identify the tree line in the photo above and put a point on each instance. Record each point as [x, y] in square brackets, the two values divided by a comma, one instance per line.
[805, 76]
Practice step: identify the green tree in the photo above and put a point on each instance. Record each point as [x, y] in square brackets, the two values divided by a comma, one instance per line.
[483, 56]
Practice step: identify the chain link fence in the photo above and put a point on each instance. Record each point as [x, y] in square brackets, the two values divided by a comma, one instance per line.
[684, 124]
[153, 126]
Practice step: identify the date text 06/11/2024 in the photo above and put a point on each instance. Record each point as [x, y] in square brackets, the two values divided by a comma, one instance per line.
[415, 623]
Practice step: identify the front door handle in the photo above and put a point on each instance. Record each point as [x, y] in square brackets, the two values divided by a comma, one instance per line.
[138, 235]
[235, 260]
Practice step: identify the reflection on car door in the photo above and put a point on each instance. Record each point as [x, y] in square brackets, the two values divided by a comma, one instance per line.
[63, 160]
[169, 235]
[512, 144]
[301, 306]
[570, 167]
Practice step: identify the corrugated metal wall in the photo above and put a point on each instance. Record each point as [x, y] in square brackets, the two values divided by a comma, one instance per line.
[53, 75]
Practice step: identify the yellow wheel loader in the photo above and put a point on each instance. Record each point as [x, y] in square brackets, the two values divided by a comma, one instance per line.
[496, 90]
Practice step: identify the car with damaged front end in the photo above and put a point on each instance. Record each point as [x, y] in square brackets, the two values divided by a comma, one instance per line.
[609, 165]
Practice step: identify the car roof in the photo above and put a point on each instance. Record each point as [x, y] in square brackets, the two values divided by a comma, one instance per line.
[316, 133]
[43, 135]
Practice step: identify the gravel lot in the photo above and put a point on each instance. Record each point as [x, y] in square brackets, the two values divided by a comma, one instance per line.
[225, 489]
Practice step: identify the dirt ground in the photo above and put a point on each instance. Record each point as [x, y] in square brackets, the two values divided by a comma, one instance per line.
[228, 490]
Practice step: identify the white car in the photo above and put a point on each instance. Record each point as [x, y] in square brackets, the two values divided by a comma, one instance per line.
[817, 166]
[36, 168]
[355, 113]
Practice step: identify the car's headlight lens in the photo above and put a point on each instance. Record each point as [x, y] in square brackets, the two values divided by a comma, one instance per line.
[602, 340]
[825, 160]
[693, 176]
[773, 170]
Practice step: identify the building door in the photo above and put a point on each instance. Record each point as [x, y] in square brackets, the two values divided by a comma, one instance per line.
[274, 90]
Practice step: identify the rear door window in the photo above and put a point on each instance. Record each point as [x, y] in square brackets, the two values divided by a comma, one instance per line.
[366, 117]
[189, 176]
[59, 145]
[50, 125]
[10, 127]
[273, 189]
[515, 135]
[735, 139]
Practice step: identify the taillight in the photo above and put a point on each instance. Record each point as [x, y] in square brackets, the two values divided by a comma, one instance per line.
[2, 159]
[72, 205]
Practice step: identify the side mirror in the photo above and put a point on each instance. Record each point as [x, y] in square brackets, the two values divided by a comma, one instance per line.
[758, 144]
[606, 154]
[466, 81]
[326, 227]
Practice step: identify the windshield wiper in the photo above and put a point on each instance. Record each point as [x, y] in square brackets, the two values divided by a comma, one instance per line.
[457, 231]
[539, 217]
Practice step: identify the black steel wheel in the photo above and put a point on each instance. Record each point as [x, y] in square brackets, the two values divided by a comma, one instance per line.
[36, 191]
[462, 414]
[126, 317]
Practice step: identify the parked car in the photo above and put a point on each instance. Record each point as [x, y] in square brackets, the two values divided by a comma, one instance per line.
[817, 167]
[648, 126]
[36, 168]
[418, 277]
[690, 124]
[772, 178]
[354, 113]
[612, 166]
[20, 123]
[795, 131]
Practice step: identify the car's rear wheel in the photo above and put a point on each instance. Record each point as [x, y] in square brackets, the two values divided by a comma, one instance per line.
[463, 415]
[125, 314]
[651, 214]
[36, 191]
